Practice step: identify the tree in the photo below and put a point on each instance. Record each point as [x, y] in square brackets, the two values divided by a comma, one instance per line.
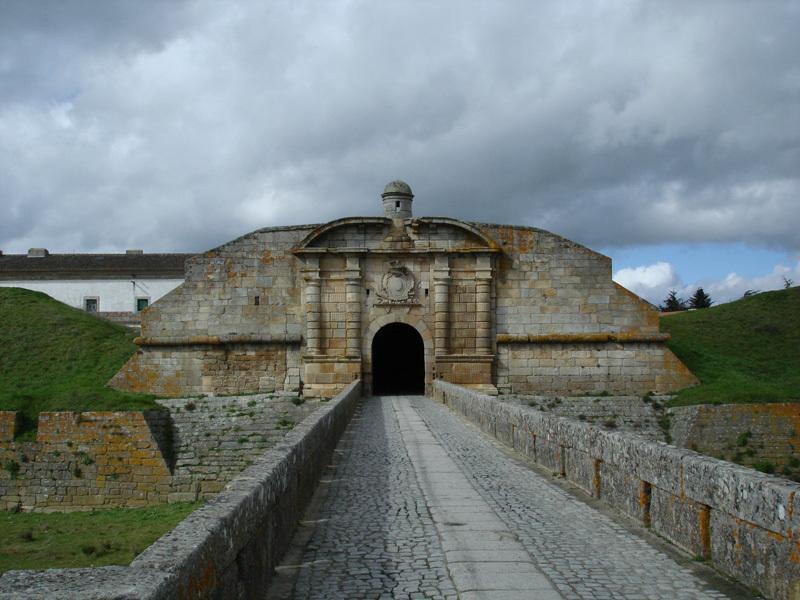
[787, 283]
[673, 303]
[700, 299]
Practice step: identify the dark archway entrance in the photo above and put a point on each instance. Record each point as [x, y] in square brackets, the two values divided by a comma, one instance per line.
[398, 360]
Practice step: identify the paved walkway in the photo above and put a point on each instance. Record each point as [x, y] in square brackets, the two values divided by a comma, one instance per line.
[423, 505]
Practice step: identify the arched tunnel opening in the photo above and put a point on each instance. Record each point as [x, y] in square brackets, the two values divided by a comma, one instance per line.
[398, 361]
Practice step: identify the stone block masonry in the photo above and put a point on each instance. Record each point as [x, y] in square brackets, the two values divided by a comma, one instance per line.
[82, 461]
[549, 366]
[745, 523]
[743, 433]
[8, 425]
[214, 438]
[227, 548]
[638, 414]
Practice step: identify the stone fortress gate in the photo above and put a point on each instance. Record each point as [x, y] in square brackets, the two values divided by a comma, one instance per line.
[399, 301]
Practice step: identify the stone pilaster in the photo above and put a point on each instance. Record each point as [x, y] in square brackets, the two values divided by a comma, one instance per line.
[483, 305]
[353, 287]
[312, 294]
[441, 304]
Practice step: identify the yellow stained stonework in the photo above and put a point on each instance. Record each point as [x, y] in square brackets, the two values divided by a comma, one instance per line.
[499, 308]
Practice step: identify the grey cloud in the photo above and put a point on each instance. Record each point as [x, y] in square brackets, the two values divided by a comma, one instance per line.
[179, 126]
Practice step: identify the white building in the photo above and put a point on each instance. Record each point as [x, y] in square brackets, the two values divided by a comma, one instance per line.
[115, 286]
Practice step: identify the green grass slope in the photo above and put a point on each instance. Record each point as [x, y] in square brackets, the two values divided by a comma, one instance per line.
[743, 351]
[112, 536]
[55, 357]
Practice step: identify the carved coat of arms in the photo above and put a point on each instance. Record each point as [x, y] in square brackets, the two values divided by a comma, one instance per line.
[397, 285]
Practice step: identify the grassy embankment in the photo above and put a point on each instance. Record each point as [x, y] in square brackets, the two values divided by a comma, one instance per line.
[54, 357]
[743, 351]
[84, 539]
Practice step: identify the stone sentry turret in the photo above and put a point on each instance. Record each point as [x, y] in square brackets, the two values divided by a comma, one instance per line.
[397, 199]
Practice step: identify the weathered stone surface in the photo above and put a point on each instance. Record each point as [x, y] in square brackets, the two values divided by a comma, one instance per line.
[636, 414]
[8, 425]
[82, 461]
[743, 433]
[215, 438]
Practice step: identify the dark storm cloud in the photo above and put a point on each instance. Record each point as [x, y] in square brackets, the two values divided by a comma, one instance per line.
[179, 126]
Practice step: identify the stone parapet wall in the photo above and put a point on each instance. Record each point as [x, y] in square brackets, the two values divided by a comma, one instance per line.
[82, 461]
[746, 524]
[566, 369]
[227, 548]
[745, 433]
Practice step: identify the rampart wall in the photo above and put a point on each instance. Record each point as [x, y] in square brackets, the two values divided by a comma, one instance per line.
[745, 523]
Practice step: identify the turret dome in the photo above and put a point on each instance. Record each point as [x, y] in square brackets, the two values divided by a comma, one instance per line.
[397, 187]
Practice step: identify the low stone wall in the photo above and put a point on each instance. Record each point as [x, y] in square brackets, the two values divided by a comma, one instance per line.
[745, 523]
[227, 548]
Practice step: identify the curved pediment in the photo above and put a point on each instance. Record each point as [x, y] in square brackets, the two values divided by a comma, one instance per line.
[381, 234]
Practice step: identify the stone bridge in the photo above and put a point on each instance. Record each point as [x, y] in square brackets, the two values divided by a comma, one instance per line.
[463, 497]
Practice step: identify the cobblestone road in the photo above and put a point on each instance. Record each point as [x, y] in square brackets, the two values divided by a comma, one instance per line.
[422, 505]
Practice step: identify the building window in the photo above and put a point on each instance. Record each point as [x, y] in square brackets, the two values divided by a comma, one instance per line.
[90, 305]
[142, 303]
[256, 300]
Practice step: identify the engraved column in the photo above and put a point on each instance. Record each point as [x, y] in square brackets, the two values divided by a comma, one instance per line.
[353, 307]
[441, 304]
[312, 293]
[483, 305]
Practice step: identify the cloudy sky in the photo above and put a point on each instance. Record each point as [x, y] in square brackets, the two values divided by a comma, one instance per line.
[664, 134]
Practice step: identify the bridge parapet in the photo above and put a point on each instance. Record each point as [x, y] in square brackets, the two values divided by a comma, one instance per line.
[229, 547]
[745, 523]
